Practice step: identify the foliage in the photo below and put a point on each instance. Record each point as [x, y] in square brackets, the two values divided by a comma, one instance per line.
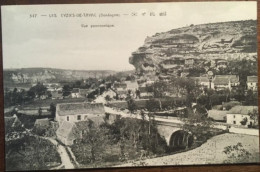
[152, 105]
[251, 98]
[255, 117]
[198, 124]
[66, 90]
[94, 141]
[125, 139]
[30, 153]
[16, 97]
[236, 154]
[244, 121]
[52, 110]
[38, 90]
[131, 104]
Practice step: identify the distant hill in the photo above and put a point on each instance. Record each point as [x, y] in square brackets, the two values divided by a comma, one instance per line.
[33, 75]
[162, 52]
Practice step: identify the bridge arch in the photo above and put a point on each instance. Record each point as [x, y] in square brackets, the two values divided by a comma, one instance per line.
[180, 139]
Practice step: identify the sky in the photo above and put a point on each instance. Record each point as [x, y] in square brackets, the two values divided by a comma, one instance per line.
[62, 42]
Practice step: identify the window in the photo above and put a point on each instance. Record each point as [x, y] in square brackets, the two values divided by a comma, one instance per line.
[234, 116]
[234, 122]
[79, 117]
[68, 118]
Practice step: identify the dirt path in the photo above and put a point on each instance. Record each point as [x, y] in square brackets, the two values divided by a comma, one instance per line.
[65, 159]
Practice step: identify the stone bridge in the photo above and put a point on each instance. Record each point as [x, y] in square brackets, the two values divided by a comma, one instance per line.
[175, 137]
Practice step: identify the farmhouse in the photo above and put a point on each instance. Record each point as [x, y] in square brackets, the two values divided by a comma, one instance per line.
[252, 83]
[75, 112]
[73, 119]
[222, 82]
[239, 115]
[203, 82]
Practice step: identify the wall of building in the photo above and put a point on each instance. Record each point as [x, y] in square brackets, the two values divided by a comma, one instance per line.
[237, 118]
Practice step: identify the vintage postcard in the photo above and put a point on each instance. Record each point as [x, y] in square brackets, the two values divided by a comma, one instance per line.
[123, 85]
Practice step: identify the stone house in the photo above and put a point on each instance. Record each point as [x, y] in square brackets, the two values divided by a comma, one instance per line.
[74, 117]
[252, 83]
[239, 115]
[222, 82]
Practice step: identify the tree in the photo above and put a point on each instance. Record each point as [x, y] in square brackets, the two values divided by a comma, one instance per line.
[152, 105]
[255, 117]
[244, 121]
[93, 142]
[131, 104]
[52, 110]
[198, 124]
[251, 98]
[40, 111]
[38, 90]
[66, 90]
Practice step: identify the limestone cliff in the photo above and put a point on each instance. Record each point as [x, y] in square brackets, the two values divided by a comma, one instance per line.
[195, 46]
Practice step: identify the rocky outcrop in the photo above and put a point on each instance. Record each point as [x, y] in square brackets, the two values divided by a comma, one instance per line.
[203, 45]
[33, 75]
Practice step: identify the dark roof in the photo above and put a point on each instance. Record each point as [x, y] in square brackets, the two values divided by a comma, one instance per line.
[120, 85]
[80, 108]
[243, 110]
[218, 115]
[252, 79]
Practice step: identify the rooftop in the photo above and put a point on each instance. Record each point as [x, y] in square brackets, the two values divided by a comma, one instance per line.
[218, 115]
[243, 110]
[252, 79]
[80, 108]
[224, 79]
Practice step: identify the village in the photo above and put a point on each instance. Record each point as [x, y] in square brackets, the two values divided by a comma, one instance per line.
[192, 99]
[62, 112]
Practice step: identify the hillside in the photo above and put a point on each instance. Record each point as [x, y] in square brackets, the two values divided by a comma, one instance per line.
[170, 52]
[33, 75]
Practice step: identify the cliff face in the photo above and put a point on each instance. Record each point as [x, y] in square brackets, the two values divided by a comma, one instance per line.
[203, 45]
[33, 75]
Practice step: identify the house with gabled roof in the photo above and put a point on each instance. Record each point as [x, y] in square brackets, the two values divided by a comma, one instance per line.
[239, 115]
[73, 119]
[252, 83]
[222, 82]
[75, 112]
[202, 81]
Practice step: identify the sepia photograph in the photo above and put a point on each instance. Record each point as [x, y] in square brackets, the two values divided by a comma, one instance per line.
[130, 85]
